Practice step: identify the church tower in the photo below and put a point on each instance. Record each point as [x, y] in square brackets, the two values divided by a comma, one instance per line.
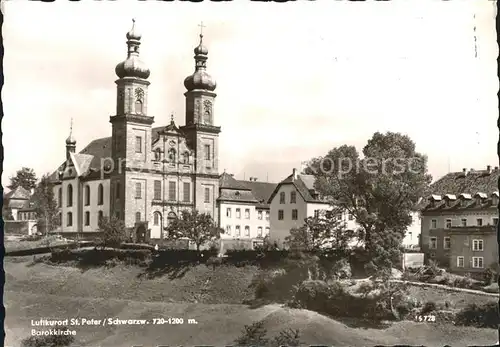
[131, 127]
[202, 133]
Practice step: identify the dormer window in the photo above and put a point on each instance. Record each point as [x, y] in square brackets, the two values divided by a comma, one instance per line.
[494, 198]
[480, 197]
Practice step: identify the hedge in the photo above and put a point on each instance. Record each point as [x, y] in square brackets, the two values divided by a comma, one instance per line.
[45, 249]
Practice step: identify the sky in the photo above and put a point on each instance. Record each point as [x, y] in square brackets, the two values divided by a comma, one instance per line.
[293, 80]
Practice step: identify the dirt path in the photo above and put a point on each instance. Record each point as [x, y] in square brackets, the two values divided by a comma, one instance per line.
[445, 287]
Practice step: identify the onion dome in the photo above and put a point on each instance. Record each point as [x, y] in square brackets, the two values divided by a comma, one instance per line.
[70, 141]
[200, 79]
[133, 65]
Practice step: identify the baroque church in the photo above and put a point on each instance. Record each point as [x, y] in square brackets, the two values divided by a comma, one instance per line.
[144, 175]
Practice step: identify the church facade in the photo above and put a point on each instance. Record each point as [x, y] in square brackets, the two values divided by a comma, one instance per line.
[144, 175]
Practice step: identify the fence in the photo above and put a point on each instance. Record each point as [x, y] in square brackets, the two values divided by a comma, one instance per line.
[14, 227]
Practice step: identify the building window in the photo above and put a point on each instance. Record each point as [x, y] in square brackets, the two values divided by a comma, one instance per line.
[351, 217]
[247, 213]
[293, 197]
[446, 242]
[100, 216]
[69, 196]
[117, 191]
[137, 217]
[281, 215]
[171, 191]
[228, 212]
[100, 195]
[463, 222]
[59, 198]
[479, 222]
[282, 197]
[156, 218]
[138, 107]
[87, 195]
[238, 213]
[477, 245]
[187, 191]
[158, 154]
[185, 158]
[295, 214]
[448, 224]
[259, 231]
[460, 261]
[69, 219]
[433, 223]
[477, 262]
[267, 215]
[207, 195]
[247, 230]
[316, 214]
[157, 190]
[433, 244]
[238, 232]
[138, 190]
[171, 155]
[267, 230]
[259, 215]
[171, 217]
[138, 144]
[207, 152]
[87, 218]
[495, 221]
[228, 230]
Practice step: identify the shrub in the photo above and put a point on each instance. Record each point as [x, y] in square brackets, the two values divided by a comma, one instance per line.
[287, 337]
[480, 316]
[429, 306]
[253, 335]
[48, 341]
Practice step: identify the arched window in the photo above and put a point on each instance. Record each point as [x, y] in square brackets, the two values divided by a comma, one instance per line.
[69, 219]
[87, 195]
[186, 158]
[171, 217]
[138, 106]
[156, 218]
[158, 154]
[100, 216]
[100, 195]
[59, 197]
[137, 217]
[70, 195]
[59, 219]
[171, 155]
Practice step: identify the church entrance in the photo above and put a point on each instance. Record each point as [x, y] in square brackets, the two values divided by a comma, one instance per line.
[140, 236]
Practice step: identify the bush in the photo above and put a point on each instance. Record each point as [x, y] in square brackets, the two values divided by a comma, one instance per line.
[429, 306]
[256, 335]
[288, 337]
[100, 257]
[48, 341]
[479, 316]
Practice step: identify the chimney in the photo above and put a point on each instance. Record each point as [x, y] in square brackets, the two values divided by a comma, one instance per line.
[488, 168]
[471, 170]
[464, 170]
[255, 179]
[294, 173]
[496, 168]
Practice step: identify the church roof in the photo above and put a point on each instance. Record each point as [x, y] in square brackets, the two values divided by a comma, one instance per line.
[18, 193]
[94, 152]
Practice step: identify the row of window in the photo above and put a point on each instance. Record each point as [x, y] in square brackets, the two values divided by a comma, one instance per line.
[237, 231]
[463, 223]
[86, 221]
[477, 244]
[247, 213]
[293, 198]
[87, 195]
[26, 215]
[295, 214]
[172, 191]
[207, 151]
[476, 262]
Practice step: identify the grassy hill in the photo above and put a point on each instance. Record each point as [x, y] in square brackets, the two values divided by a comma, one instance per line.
[212, 298]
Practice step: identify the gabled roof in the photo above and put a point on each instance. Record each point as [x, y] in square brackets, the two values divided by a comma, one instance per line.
[304, 185]
[99, 149]
[18, 193]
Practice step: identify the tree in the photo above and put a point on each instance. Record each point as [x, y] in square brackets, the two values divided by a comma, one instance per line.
[25, 178]
[380, 190]
[326, 230]
[198, 228]
[113, 232]
[45, 205]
